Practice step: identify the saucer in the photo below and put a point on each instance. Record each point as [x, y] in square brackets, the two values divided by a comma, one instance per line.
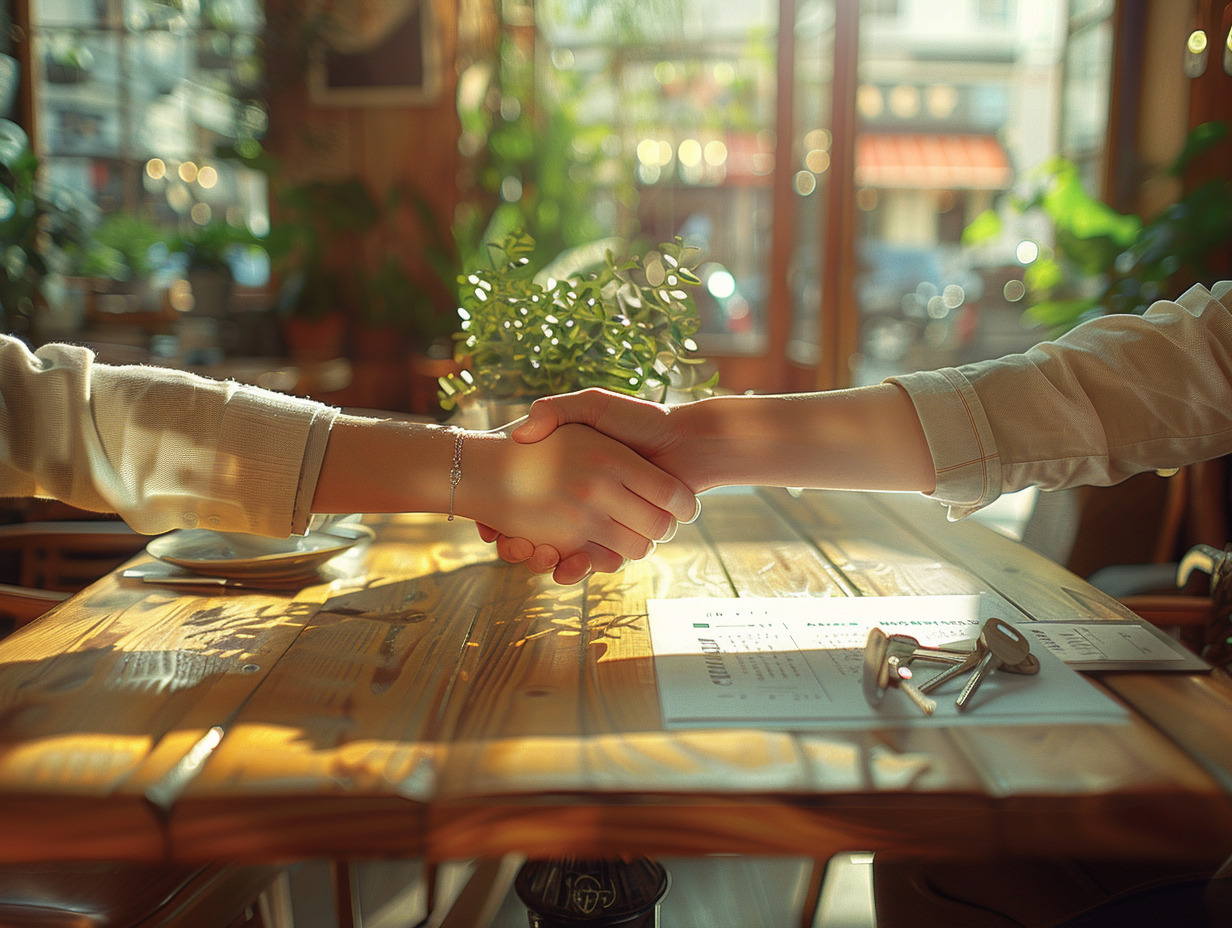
[238, 556]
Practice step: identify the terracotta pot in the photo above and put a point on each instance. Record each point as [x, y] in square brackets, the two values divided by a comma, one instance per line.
[315, 339]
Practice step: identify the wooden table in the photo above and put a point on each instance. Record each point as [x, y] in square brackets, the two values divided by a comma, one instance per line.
[445, 705]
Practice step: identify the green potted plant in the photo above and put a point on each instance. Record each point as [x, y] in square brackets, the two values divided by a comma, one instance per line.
[119, 262]
[123, 247]
[69, 61]
[315, 249]
[1105, 261]
[208, 249]
[41, 227]
[627, 327]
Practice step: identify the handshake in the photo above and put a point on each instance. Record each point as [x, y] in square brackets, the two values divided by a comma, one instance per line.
[608, 477]
[591, 479]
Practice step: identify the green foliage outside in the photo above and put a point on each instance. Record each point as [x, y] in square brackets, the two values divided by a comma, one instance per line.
[121, 247]
[209, 246]
[533, 164]
[1108, 262]
[41, 228]
[627, 327]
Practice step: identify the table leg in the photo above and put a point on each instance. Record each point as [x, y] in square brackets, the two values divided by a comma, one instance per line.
[565, 892]
[346, 902]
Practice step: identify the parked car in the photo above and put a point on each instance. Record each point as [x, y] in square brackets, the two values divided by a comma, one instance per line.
[914, 296]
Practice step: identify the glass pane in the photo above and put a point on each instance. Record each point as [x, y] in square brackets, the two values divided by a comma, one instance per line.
[811, 143]
[83, 114]
[1087, 80]
[1090, 9]
[136, 95]
[956, 102]
[662, 115]
[139, 79]
[69, 12]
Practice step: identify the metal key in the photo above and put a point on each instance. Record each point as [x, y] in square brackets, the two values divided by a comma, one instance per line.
[1028, 667]
[927, 705]
[876, 671]
[881, 670]
[907, 649]
[1003, 646]
[971, 660]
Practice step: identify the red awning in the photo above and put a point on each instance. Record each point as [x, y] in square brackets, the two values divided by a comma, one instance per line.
[935, 162]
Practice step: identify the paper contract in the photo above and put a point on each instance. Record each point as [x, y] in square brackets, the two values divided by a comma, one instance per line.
[797, 663]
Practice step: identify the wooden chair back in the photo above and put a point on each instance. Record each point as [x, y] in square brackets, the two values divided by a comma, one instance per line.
[68, 556]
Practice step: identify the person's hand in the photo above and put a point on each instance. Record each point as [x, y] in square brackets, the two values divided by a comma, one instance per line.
[576, 492]
[650, 429]
[544, 559]
[644, 426]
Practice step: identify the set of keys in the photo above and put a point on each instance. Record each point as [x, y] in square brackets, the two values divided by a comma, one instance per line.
[888, 660]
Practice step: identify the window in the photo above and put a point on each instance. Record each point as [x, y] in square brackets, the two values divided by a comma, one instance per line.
[994, 11]
[134, 97]
[1084, 114]
[828, 192]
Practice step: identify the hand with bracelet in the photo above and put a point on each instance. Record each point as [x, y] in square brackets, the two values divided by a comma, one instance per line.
[577, 491]
[165, 449]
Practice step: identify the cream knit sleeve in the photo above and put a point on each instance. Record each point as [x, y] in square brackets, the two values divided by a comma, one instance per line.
[1114, 397]
[162, 448]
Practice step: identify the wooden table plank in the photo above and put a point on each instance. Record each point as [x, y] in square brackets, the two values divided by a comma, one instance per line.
[1188, 708]
[626, 748]
[365, 683]
[763, 553]
[869, 547]
[891, 548]
[1037, 586]
[104, 697]
[169, 664]
[1193, 711]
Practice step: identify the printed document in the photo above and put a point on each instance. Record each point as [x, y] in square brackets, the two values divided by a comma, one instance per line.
[798, 663]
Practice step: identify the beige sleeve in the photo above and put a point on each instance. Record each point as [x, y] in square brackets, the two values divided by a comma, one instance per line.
[1114, 397]
[162, 448]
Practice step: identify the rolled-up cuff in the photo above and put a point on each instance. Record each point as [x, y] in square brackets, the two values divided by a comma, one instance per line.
[270, 450]
[960, 439]
[314, 454]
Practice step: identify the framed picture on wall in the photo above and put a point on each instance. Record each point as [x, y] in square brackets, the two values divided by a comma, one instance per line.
[396, 62]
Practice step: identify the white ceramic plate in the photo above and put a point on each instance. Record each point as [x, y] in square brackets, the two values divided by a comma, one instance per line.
[237, 556]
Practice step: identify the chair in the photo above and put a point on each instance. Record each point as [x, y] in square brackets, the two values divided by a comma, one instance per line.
[49, 560]
[20, 605]
[1164, 591]
[1202, 622]
[68, 556]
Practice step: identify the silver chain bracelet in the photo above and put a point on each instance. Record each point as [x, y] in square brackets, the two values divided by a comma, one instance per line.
[455, 472]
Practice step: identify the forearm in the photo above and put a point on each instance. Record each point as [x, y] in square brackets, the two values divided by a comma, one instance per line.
[162, 448]
[383, 465]
[867, 438]
[1116, 396]
[575, 490]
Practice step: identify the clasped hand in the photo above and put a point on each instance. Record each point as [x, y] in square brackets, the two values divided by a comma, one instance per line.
[639, 477]
[597, 501]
